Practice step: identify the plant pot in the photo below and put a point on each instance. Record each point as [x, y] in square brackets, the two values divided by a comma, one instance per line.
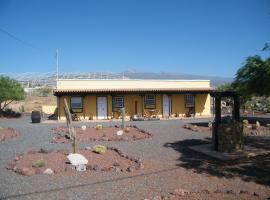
[35, 116]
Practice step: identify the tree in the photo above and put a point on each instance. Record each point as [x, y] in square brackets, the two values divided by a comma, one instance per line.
[10, 90]
[225, 87]
[253, 78]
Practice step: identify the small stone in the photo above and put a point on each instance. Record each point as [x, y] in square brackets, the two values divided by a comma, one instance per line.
[140, 166]
[255, 194]
[123, 155]
[48, 171]
[119, 133]
[180, 192]
[243, 192]
[217, 191]
[127, 130]
[205, 191]
[250, 155]
[88, 148]
[187, 126]
[116, 169]
[17, 158]
[157, 198]
[27, 172]
[43, 151]
[105, 139]
[229, 192]
[95, 167]
[80, 168]
[130, 169]
[83, 127]
[116, 164]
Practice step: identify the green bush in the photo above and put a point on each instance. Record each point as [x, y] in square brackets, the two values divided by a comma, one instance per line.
[98, 127]
[99, 149]
[39, 163]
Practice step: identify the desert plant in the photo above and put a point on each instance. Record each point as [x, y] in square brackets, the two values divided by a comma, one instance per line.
[39, 163]
[10, 113]
[98, 127]
[10, 90]
[99, 149]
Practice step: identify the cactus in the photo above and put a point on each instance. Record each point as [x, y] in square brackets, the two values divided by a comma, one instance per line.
[1, 129]
[98, 127]
[99, 149]
[39, 163]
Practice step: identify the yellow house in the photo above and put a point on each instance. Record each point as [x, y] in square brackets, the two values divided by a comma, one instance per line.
[102, 99]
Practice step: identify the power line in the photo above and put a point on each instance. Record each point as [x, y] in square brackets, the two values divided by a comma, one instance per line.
[19, 40]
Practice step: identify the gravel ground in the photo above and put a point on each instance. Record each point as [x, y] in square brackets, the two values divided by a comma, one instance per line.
[166, 161]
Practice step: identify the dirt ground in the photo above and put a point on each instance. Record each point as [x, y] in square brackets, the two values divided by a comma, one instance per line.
[169, 165]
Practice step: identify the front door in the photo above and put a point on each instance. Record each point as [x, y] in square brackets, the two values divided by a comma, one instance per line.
[102, 107]
[166, 107]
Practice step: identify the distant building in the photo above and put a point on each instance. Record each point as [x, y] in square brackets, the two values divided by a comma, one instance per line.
[102, 99]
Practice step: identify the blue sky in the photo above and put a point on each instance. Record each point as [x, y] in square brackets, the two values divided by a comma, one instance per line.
[204, 37]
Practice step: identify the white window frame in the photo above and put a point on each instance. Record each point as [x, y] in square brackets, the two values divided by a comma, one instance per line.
[79, 101]
[117, 102]
[150, 101]
[189, 100]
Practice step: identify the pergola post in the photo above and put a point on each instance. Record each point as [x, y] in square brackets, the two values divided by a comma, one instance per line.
[217, 121]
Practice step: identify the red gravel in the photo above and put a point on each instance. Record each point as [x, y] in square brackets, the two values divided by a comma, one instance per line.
[104, 134]
[8, 133]
[112, 159]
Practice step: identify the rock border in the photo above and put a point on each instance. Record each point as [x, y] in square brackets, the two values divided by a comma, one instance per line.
[137, 163]
[148, 135]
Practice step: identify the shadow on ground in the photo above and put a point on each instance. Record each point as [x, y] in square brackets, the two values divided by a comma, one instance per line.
[255, 169]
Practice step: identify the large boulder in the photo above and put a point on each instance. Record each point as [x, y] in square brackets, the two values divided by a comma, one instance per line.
[77, 159]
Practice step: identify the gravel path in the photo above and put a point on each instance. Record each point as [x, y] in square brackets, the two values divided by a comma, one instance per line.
[165, 169]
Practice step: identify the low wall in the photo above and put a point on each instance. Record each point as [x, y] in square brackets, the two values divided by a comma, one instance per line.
[49, 109]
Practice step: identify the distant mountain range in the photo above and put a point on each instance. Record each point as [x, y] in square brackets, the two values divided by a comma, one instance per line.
[49, 79]
[215, 80]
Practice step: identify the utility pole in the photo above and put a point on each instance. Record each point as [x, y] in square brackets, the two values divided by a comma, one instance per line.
[56, 57]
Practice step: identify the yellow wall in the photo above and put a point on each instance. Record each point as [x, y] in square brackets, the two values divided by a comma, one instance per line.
[202, 105]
